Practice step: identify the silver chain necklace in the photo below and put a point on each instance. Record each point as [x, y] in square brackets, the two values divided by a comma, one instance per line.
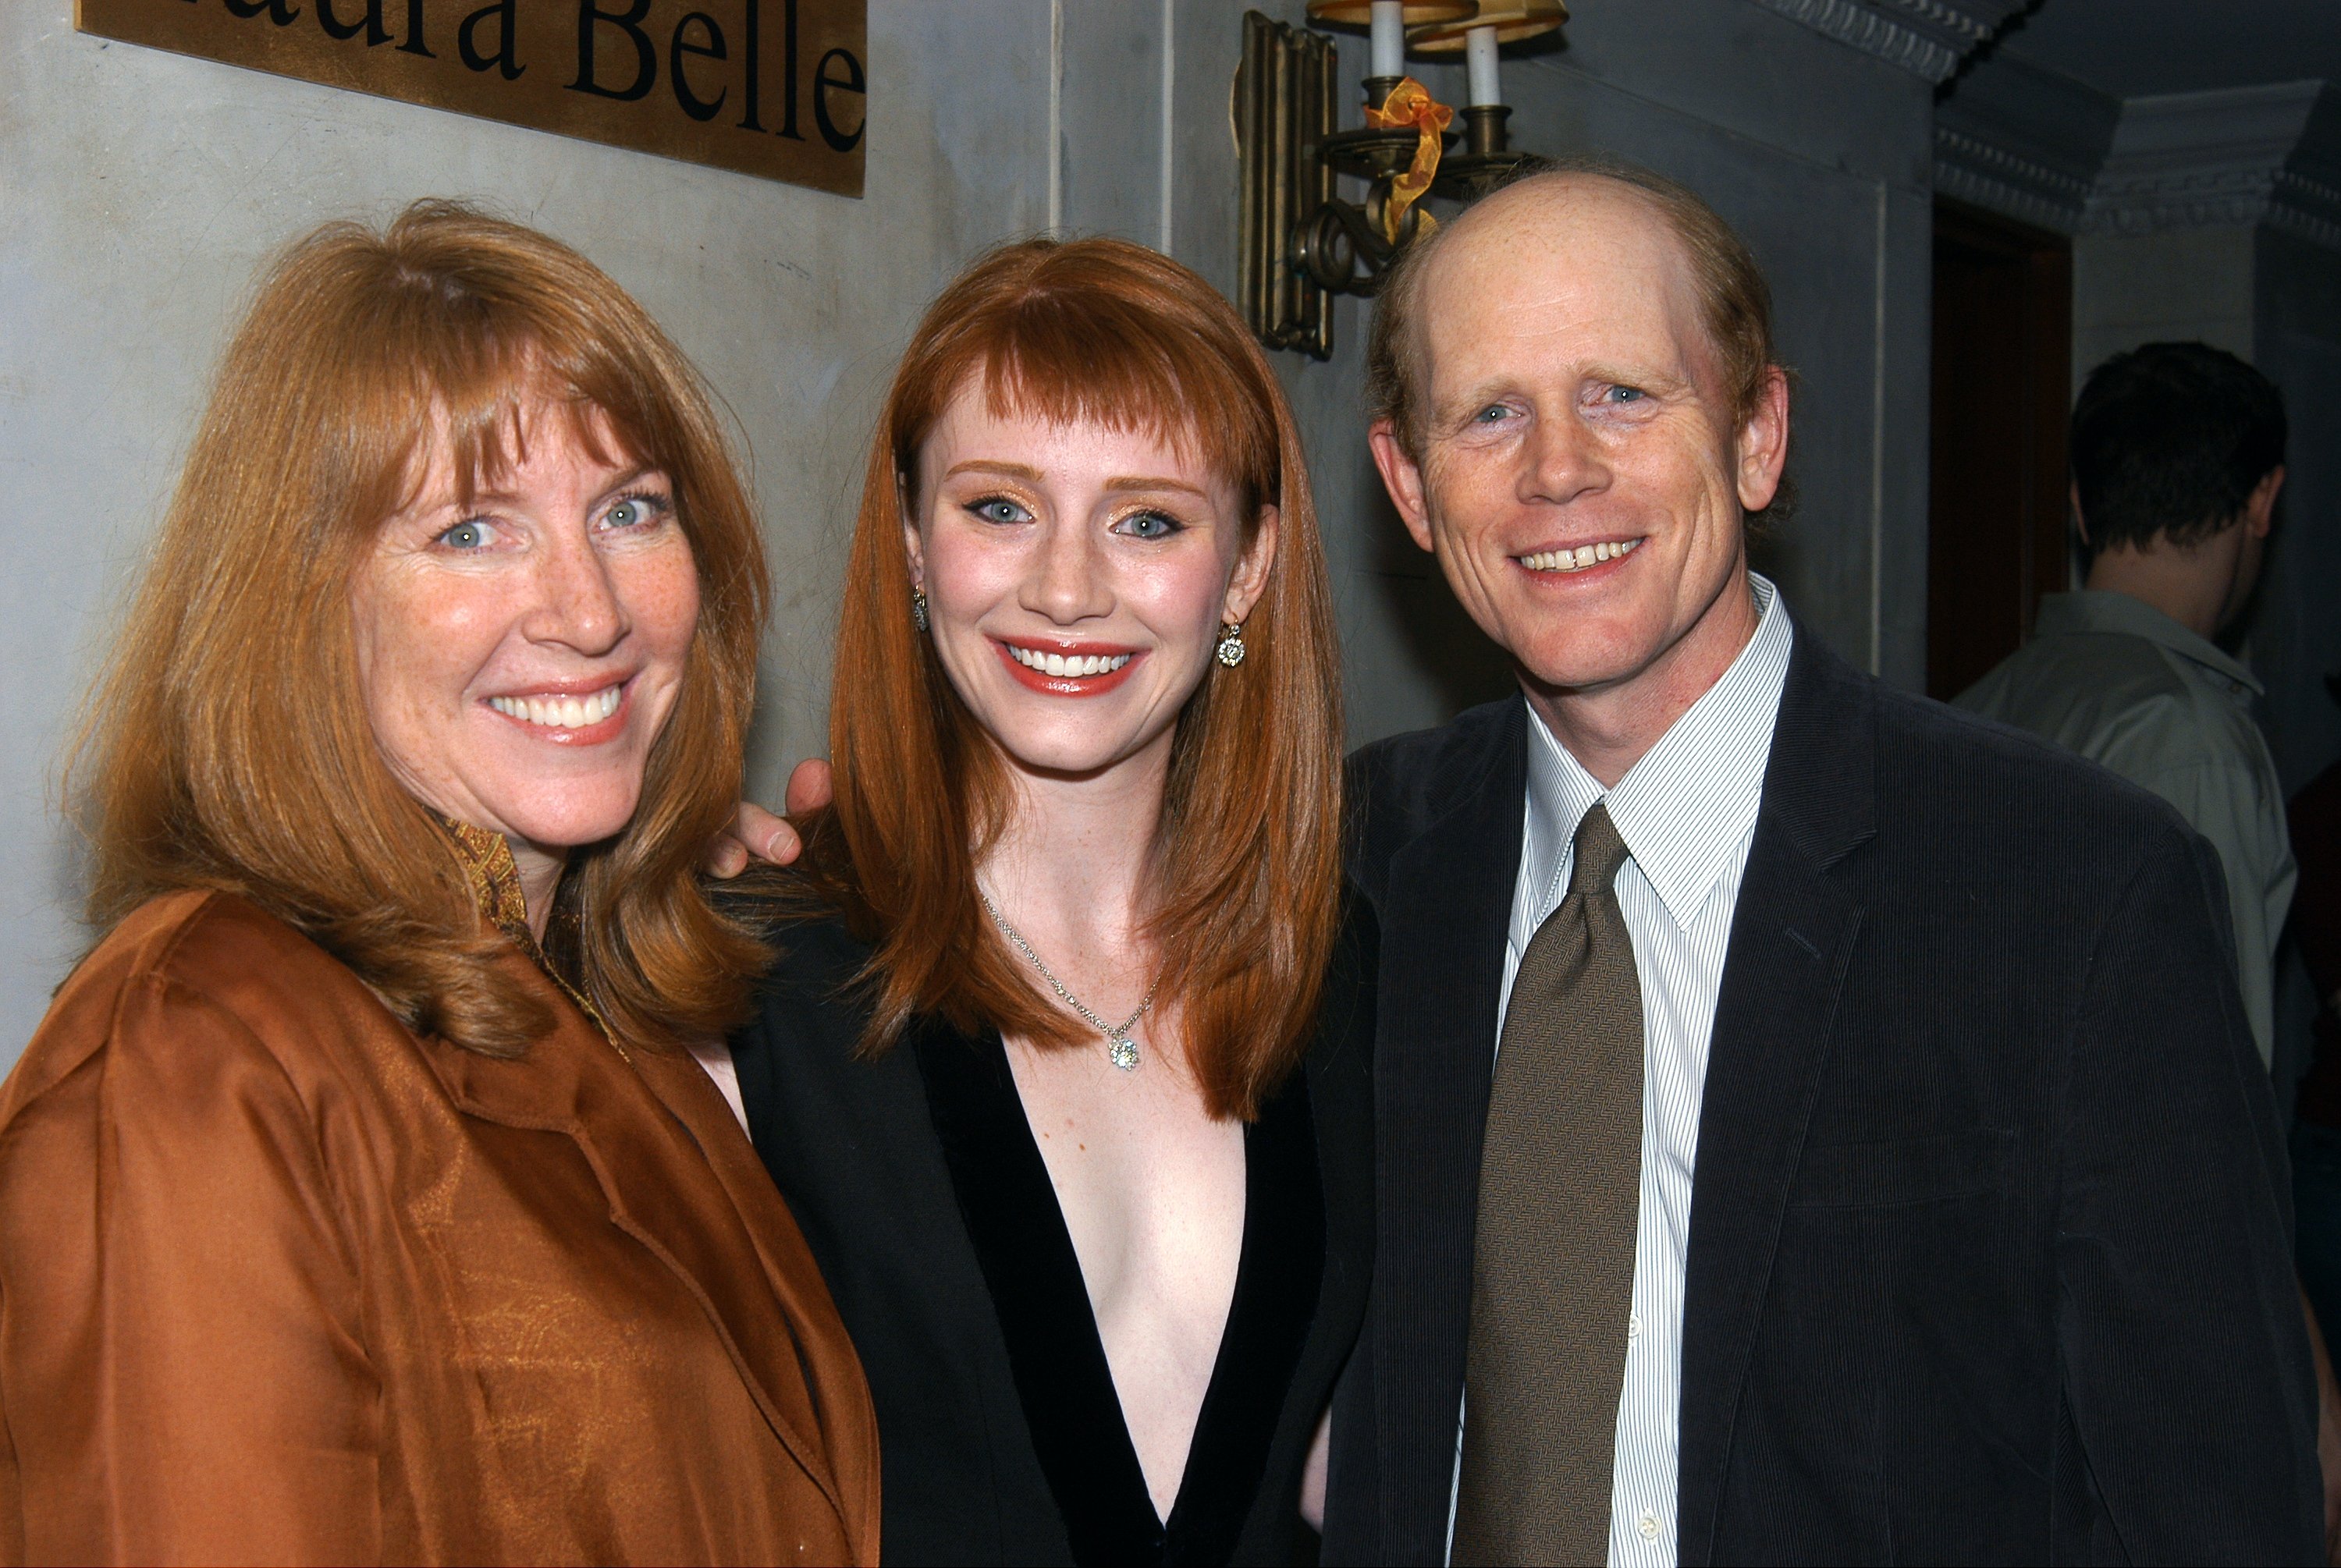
[1121, 1050]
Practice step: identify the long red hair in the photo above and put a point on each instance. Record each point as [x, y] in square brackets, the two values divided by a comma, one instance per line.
[1246, 867]
[227, 745]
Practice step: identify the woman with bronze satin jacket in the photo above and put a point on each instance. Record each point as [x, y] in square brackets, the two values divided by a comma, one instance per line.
[360, 1197]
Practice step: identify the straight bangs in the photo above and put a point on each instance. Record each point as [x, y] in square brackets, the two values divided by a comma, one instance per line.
[1074, 353]
[1246, 870]
[227, 746]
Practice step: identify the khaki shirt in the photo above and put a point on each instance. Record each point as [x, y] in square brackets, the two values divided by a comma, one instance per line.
[2116, 681]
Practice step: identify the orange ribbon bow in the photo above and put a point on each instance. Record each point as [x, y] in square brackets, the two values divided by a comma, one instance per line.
[1411, 104]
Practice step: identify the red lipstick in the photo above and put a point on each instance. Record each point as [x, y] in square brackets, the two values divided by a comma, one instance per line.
[598, 733]
[1068, 685]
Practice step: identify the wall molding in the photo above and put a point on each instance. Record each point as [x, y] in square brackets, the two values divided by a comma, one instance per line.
[2198, 160]
[2024, 142]
[1928, 38]
[1972, 169]
[2307, 207]
[1875, 34]
[2044, 149]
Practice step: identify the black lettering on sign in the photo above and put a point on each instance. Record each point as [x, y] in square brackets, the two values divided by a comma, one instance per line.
[851, 82]
[370, 23]
[412, 43]
[789, 58]
[591, 19]
[715, 82]
[506, 59]
[754, 96]
[711, 48]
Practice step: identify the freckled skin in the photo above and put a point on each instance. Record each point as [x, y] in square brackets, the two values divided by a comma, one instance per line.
[1024, 530]
[1572, 397]
[1058, 551]
[571, 569]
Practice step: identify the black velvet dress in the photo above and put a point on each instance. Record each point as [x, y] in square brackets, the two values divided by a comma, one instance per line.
[921, 1190]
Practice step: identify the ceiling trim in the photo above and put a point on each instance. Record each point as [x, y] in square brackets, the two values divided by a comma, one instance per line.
[1970, 169]
[2021, 140]
[1928, 38]
[2200, 160]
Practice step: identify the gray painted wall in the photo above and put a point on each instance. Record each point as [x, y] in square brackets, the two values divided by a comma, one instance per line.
[141, 190]
[2181, 285]
[2296, 628]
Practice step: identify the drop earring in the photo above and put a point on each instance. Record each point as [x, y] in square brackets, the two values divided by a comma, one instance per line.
[918, 608]
[1231, 643]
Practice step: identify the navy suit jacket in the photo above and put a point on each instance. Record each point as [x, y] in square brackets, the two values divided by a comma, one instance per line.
[1989, 1249]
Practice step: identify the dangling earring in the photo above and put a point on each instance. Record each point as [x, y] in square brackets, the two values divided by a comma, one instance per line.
[1231, 647]
[918, 609]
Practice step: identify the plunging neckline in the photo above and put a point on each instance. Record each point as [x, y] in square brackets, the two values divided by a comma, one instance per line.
[1063, 1380]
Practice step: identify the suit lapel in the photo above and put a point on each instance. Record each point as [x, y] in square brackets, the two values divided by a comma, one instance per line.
[1444, 913]
[1792, 939]
[662, 1191]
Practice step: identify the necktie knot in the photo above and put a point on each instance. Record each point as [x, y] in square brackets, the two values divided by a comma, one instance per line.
[1600, 852]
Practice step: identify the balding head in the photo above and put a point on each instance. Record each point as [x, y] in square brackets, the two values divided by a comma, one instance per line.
[1578, 412]
[1732, 301]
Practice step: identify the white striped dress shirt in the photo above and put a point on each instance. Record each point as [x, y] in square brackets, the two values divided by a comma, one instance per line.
[1687, 811]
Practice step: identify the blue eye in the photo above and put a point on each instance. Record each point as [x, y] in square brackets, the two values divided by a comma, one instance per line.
[472, 533]
[1626, 394]
[1150, 525]
[999, 508]
[1492, 412]
[636, 511]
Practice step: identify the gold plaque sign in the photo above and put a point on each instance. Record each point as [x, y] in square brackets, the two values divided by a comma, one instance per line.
[772, 87]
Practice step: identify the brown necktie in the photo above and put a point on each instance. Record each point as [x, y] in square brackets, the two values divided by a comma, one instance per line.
[1552, 1281]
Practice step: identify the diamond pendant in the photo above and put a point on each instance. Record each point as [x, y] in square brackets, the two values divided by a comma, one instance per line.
[1124, 1054]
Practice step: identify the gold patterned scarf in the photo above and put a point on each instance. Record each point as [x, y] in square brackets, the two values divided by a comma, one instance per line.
[497, 891]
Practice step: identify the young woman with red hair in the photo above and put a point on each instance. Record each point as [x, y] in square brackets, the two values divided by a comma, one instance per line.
[1065, 1069]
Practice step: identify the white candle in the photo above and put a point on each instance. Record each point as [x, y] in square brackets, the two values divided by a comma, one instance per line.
[1480, 62]
[1389, 38]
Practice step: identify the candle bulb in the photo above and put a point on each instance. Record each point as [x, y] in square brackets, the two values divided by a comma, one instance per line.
[1480, 64]
[1491, 25]
[1389, 53]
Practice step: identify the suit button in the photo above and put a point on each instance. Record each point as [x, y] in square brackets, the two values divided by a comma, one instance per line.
[1648, 1524]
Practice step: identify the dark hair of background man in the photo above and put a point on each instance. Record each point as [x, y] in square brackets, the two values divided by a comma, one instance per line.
[2172, 439]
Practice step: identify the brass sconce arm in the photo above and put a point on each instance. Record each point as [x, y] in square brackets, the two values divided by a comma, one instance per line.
[1302, 243]
[1344, 247]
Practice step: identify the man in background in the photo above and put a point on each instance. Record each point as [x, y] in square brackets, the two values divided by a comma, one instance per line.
[2177, 459]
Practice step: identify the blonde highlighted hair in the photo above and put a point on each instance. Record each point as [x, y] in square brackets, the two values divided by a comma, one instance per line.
[227, 745]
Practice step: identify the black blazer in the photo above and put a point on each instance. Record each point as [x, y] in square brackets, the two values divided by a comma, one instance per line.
[1989, 1241]
[854, 1149]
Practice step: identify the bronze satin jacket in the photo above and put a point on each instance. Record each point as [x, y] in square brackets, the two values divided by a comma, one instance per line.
[282, 1282]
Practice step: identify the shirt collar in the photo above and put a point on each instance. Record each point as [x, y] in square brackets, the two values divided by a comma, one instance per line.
[2100, 610]
[494, 878]
[1683, 809]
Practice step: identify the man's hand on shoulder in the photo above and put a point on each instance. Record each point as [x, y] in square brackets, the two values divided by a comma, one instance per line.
[756, 834]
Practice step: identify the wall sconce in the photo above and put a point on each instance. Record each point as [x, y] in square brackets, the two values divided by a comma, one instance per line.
[1302, 242]
[1487, 157]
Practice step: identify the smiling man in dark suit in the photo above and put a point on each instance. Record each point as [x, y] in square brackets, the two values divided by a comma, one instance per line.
[1813, 1126]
